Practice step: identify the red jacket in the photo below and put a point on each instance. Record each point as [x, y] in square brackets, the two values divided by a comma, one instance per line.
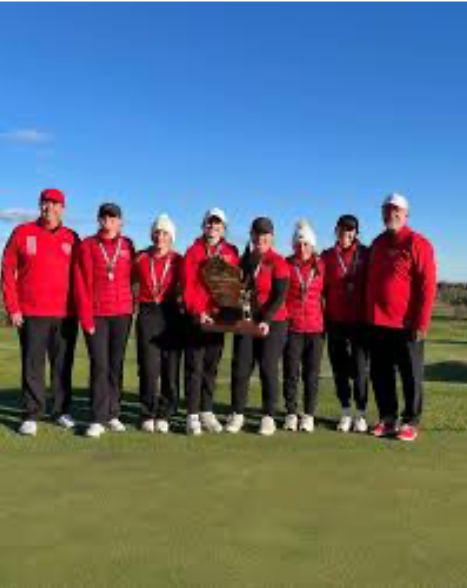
[272, 266]
[95, 293]
[196, 296]
[401, 286]
[304, 302]
[345, 282]
[167, 272]
[37, 270]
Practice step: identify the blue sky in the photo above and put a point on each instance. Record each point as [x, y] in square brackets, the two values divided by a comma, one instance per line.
[285, 110]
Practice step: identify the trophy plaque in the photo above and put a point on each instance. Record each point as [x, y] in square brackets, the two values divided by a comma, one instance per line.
[232, 299]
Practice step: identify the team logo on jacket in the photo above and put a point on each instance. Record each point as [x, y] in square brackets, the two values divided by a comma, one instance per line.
[66, 248]
[31, 245]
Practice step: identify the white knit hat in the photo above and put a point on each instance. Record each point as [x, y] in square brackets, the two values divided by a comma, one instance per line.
[398, 200]
[303, 233]
[164, 223]
[217, 212]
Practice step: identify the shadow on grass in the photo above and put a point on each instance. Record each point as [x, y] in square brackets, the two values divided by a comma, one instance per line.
[447, 342]
[446, 371]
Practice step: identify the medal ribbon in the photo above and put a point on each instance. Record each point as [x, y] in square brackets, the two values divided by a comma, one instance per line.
[155, 283]
[344, 267]
[304, 286]
[111, 263]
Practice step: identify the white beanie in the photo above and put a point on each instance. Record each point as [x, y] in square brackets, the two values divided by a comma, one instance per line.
[164, 223]
[303, 233]
[217, 212]
[398, 200]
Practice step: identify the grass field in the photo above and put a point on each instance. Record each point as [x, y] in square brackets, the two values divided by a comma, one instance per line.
[223, 511]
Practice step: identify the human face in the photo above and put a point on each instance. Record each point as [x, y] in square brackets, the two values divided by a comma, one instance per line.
[162, 241]
[214, 229]
[51, 213]
[394, 218]
[345, 236]
[262, 243]
[110, 225]
[303, 250]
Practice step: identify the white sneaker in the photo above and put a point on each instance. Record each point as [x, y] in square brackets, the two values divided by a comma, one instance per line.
[235, 423]
[65, 421]
[193, 425]
[210, 422]
[345, 423]
[162, 426]
[148, 426]
[268, 426]
[28, 428]
[360, 425]
[307, 423]
[291, 422]
[116, 425]
[95, 430]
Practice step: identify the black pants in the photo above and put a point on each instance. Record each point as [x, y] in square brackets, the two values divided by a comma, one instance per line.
[349, 357]
[391, 350]
[159, 333]
[303, 352]
[267, 352]
[56, 338]
[203, 353]
[106, 350]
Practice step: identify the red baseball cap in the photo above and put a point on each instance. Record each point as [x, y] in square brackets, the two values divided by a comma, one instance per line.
[53, 195]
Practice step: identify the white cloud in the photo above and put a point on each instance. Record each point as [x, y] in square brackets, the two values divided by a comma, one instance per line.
[26, 137]
[17, 215]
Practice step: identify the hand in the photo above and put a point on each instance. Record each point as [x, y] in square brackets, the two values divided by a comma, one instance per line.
[205, 319]
[91, 331]
[264, 328]
[17, 320]
[419, 335]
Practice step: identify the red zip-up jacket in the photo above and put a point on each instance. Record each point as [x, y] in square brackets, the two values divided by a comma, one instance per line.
[304, 297]
[37, 271]
[401, 286]
[95, 293]
[345, 282]
[167, 271]
[195, 293]
[272, 267]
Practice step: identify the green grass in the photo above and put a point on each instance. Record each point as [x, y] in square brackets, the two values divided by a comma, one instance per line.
[294, 510]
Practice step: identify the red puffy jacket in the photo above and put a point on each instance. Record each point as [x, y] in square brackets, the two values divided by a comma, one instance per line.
[37, 271]
[196, 296]
[95, 293]
[345, 282]
[304, 297]
[272, 267]
[401, 286]
[167, 271]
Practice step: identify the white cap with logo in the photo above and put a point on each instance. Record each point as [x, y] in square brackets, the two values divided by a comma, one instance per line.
[217, 212]
[395, 199]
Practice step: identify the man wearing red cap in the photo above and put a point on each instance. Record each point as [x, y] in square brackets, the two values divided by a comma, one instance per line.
[36, 286]
[400, 293]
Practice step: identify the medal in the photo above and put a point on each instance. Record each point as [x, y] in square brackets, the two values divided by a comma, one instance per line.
[111, 263]
[157, 285]
[304, 286]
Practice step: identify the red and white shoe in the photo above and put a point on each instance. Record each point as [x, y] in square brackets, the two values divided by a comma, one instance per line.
[407, 433]
[385, 429]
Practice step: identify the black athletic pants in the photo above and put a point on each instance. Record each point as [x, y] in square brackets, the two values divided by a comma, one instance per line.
[303, 352]
[56, 338]
[267, 352]
[349, 357]
[159, 333]
[203, 353]
[106, 348]
[391, 350]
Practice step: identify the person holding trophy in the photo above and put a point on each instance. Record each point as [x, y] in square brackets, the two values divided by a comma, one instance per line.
[266, 278]
[158, 327]
[104, 302]
[203, 348]
[304, 346]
